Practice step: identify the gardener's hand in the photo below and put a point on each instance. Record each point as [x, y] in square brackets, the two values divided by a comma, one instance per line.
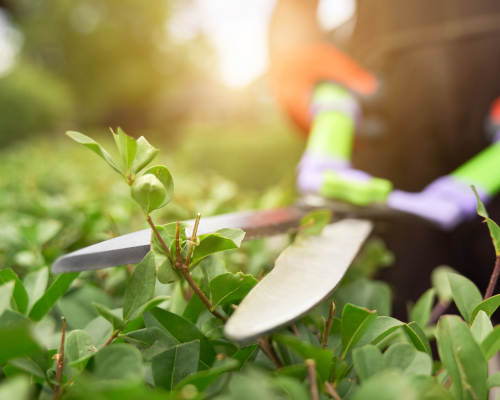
[335, 178]
[447, 201]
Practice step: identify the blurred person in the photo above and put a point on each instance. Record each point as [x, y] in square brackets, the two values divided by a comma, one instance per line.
[414, 82]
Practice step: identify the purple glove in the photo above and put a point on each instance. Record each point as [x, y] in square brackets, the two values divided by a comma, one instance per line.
[446, 201]
[312, 167]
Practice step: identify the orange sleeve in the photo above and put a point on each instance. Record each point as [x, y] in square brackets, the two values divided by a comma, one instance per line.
[295, 72]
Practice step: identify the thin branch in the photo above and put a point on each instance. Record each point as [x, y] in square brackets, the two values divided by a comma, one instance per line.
[295, 331]
[60, 362]
[158, 236]
[268, 350]
[187, 275]
[113, 336]
[438, 310]
[330, 391]
[311, 373]
[493, 279]
[328, 325]
[193, 239]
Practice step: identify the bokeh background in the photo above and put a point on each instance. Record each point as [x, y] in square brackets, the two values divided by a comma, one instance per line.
[190, 75]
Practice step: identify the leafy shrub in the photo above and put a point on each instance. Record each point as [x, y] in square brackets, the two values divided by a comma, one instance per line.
[31, 101]
[155, 331]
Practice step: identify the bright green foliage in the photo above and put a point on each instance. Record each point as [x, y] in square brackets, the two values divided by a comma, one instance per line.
[119, 362]
[130, 337]
[421, 311]
[175, 364]
[53, 293]
[441, 283]
[20, 296]
[78, 347]
[113, 316]
[368, 361]
[230, 288]
[491, 344]
[314, 222]
[492, 225]
[222, 240]
[465, 294]
[95, 147]
[355, 322]
[481, 326]
[462, 358]
[140, 290]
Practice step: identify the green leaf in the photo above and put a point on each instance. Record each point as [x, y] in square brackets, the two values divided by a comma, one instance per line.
[421, 312]
[492, 225]
[78, 347]
[465, 295]
[165, 271]
[494, 380]
[355, 322]
[20, 295]
[481, 326]
[382, 327]
[27, 365]
[113, 316]
[163, 175]
[127, 148]
[489, 306]
[44, 304]
[140, 288]
[144, 155]
[405, 357]
[244, 354]
[118, 362]
[6, 291]
[322, 357]
[293, 389]
[181, 329]
[388, 385]
[314, 222]
[441, 283]
[95, 147]
[373, 295]
[222, 240]
[35, 283]
[367, 361]
[17, 387]
[230, 288]
[148, 192]
[491, 345]
[194, 309]
[462, 358]
[203, 379]
[417, 337]
[17, 340]
[175, 364]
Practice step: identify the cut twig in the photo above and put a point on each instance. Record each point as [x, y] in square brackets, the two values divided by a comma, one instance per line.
[311, 373]
[268, 350]
[328, 326]
[330, 390]
[193, 239]
[60, 362]
[493, 279]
